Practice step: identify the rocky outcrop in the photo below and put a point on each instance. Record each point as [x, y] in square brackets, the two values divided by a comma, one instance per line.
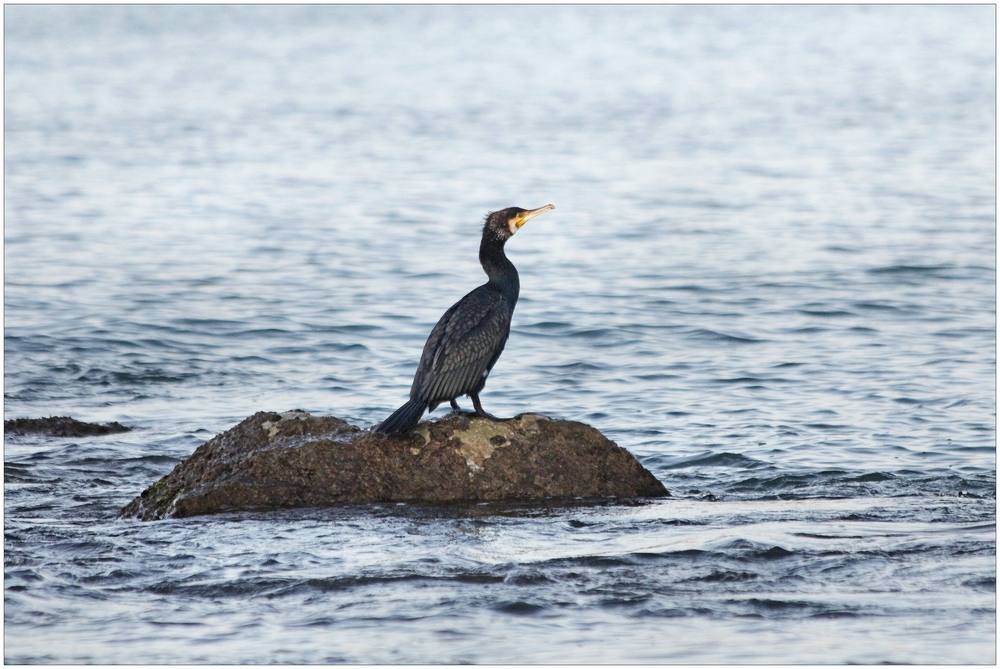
[60, 426]
[293, 459]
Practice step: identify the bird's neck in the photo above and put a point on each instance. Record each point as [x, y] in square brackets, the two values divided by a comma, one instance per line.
[502, 273]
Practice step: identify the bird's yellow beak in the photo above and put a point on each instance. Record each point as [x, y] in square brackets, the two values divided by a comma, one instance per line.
[523, 217]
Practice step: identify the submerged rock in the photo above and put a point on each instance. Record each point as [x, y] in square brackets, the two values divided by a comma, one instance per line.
[293, 459]
[60, 426]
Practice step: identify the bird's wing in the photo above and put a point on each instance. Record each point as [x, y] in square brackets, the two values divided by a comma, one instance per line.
[462, 346]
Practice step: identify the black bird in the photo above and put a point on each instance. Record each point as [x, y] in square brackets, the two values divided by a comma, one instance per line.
[467, 341]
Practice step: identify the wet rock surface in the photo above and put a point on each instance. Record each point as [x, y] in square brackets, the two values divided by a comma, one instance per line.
[60, 426]
[293, 459]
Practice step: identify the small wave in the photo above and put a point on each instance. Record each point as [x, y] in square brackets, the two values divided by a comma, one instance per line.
[694, 288]
[712, 335]
[261, 333]
[16, 468]
[774, 553]
[624, 601]
[870, 478]
[548, 326]
[744, 410]
[578, 367]
[910, 269]
[476, 577]
[778, 604]
[984, 584]
[154, 459]
[750, 379]
[726, 577]
[599, 561]
[518, 608]
[530, 579]
[961, 333]
[833, 313]
[781, 482]
[717, 460]
[212, 323]
[345, 329]
[877, 306]
[275, 586]
[104, 377]
[679, 522]
[598, 333]
[750, 550]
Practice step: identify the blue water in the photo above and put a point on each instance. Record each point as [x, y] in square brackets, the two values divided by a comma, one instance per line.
[770, 275]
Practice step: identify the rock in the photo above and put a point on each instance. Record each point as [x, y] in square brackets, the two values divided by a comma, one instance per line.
[60, 426]
[293, 459]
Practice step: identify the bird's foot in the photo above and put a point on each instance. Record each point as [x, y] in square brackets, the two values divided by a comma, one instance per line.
[455, 408]
[479, 409]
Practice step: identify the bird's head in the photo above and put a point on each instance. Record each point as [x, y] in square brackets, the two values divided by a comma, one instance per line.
[504, 223]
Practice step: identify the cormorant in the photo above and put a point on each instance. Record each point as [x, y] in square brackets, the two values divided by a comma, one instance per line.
[467, 341]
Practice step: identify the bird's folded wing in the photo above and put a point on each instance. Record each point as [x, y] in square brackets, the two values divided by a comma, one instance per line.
[462, 345]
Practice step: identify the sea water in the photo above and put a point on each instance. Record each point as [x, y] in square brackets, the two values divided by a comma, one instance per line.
[770, 275]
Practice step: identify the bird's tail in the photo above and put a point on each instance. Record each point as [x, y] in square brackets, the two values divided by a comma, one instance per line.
[404, 419]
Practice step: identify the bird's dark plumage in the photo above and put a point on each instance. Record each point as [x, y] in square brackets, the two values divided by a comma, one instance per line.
[469, 338]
